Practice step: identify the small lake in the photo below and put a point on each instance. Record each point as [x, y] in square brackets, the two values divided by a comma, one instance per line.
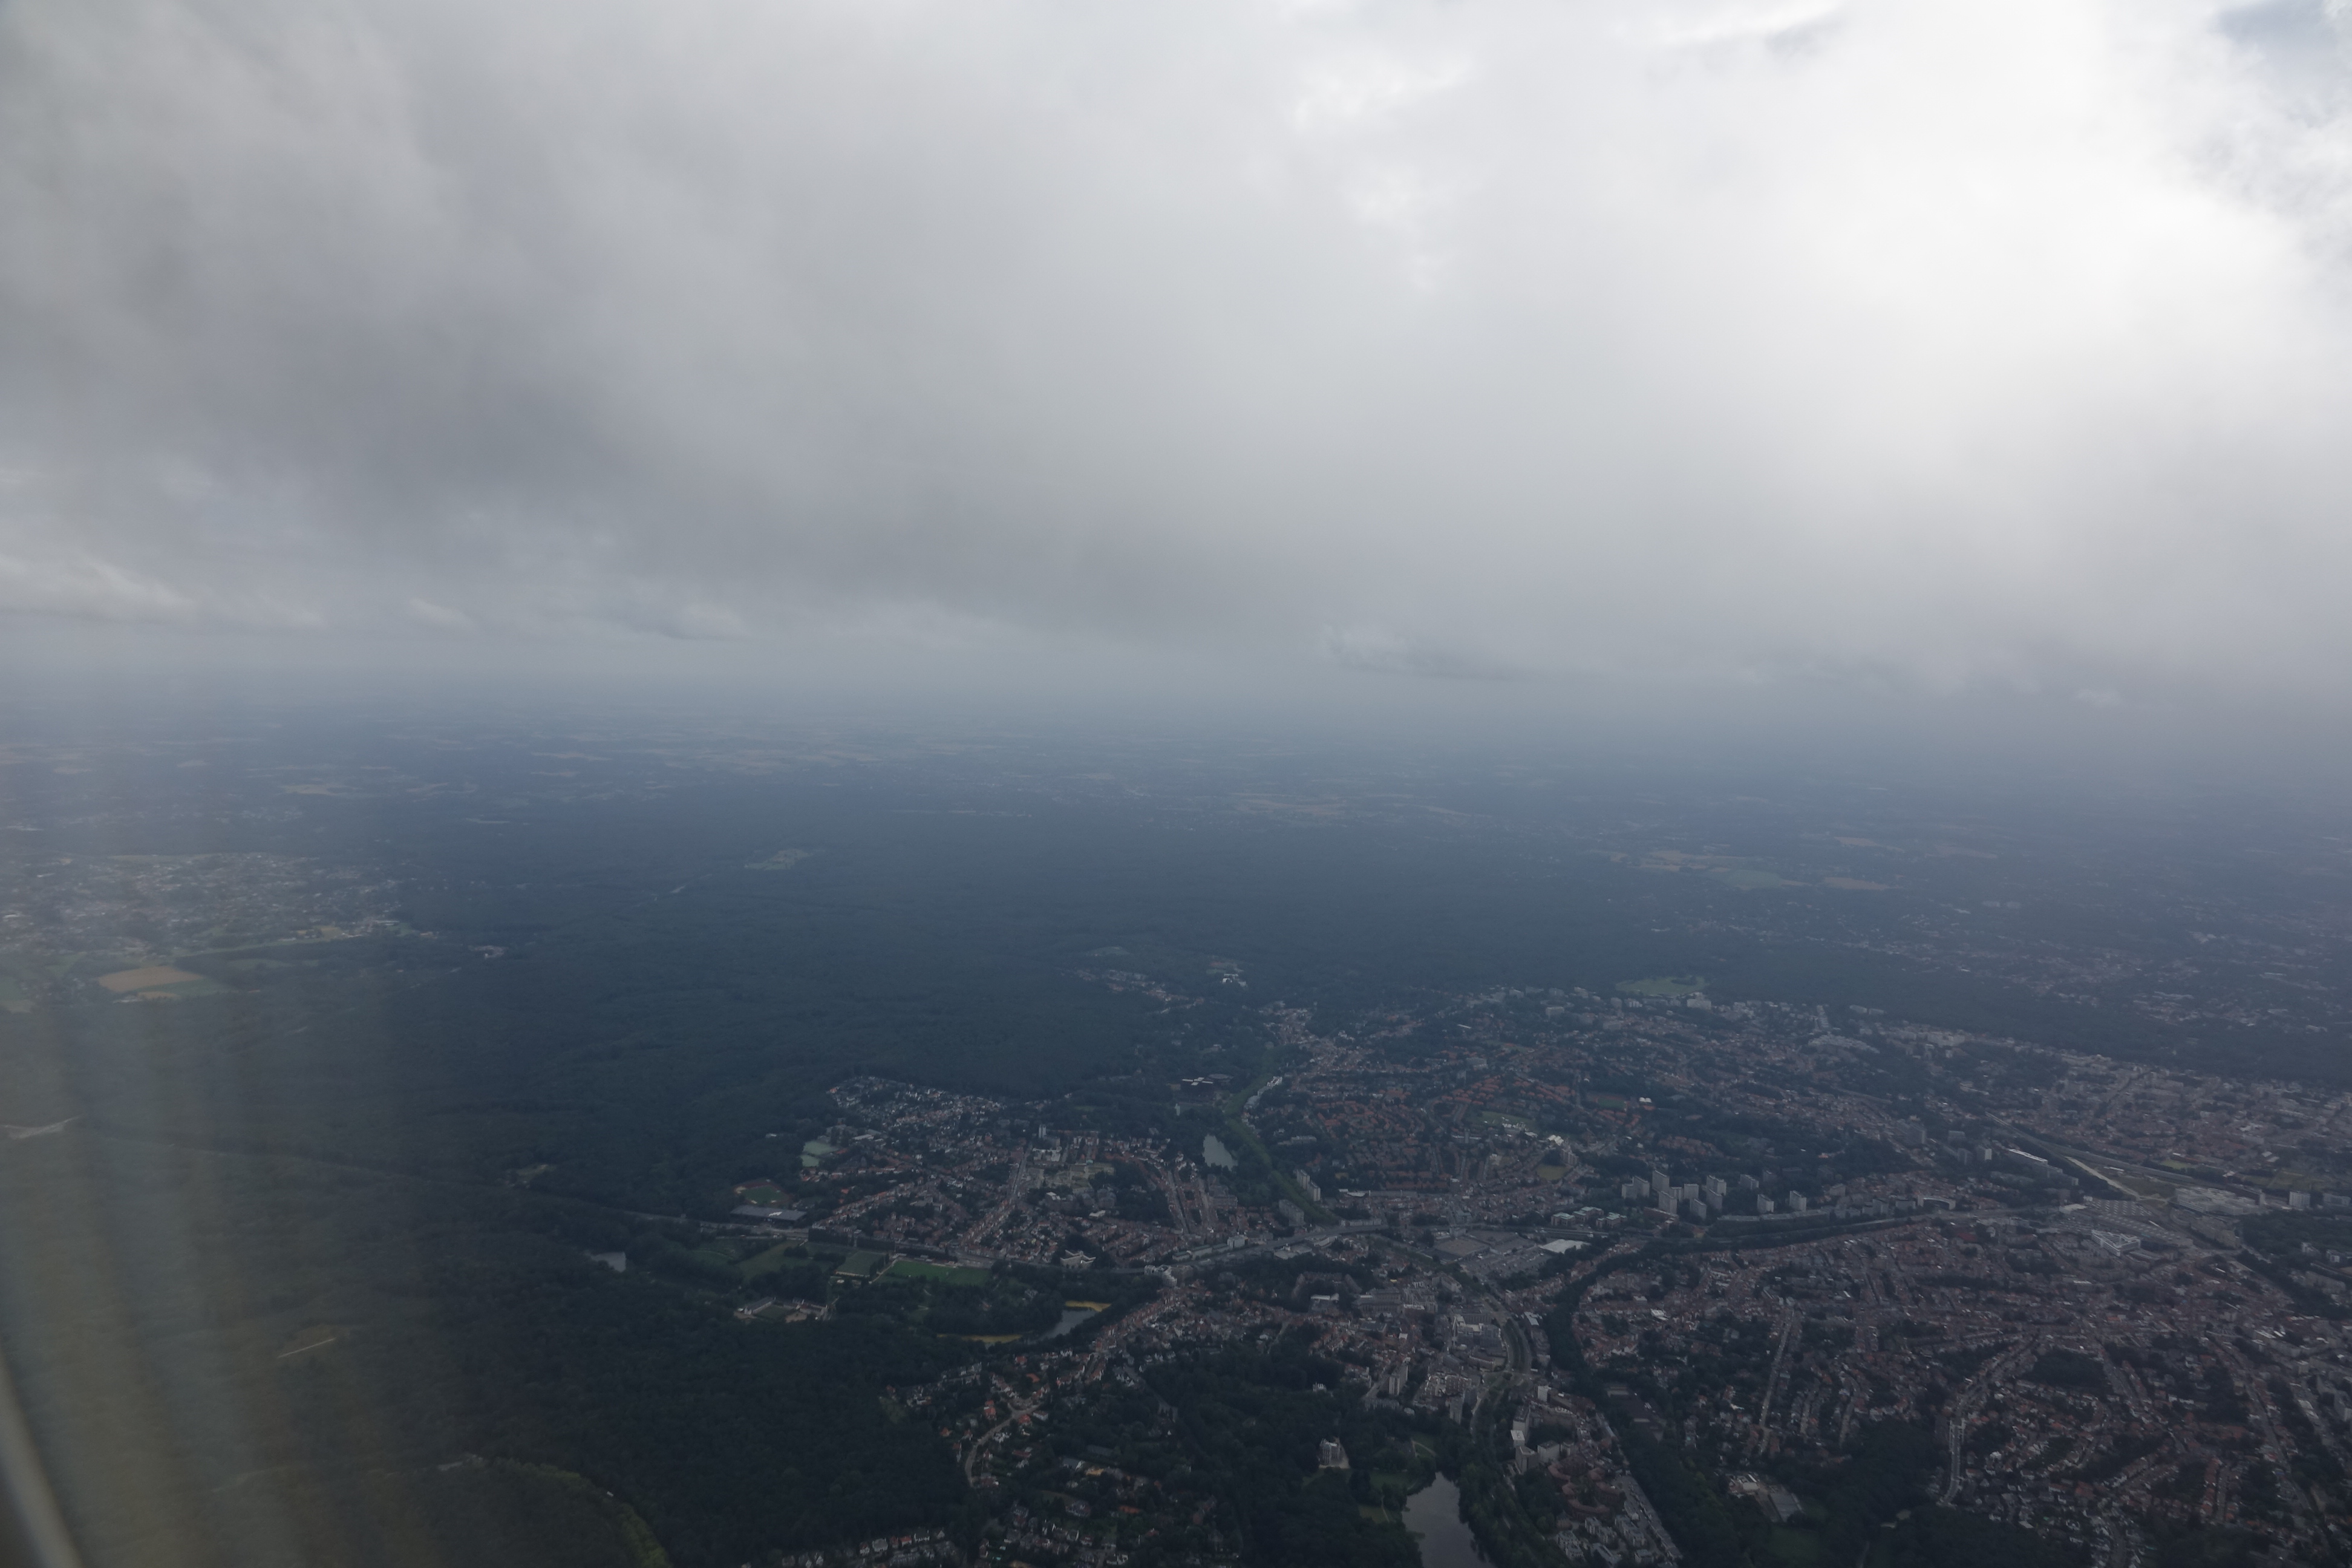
[1435, 1515]
[1071, 1318]
[1214, 1152]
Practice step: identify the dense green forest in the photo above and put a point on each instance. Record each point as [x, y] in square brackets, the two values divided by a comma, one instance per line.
[1250, 1422]
[369, 1331]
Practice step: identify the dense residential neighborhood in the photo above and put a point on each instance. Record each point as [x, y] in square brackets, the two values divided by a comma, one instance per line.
[1634, 1237]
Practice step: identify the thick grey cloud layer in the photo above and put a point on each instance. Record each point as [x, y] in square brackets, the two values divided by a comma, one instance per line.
[2000, 343]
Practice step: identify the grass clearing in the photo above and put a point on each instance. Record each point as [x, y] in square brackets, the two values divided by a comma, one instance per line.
[1663, 985]
[862, 1265]
[768, 1262]
[1237, 1101]
[937, 1273]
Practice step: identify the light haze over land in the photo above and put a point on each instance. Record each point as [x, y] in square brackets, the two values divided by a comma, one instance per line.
[858, 781]
[1921, 348]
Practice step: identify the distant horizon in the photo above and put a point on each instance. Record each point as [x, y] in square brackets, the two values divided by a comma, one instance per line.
[100, 675]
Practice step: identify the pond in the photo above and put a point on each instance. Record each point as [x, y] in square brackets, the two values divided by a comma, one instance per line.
[1433, 1515]
[1071, 1318]
[1214, 1152]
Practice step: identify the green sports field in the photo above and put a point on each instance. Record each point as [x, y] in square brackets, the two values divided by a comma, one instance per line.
[940, 1274]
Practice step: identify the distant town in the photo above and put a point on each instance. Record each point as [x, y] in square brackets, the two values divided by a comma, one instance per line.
[2084, 1276]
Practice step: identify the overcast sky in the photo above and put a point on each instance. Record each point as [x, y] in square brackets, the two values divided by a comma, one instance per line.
[1935, 346]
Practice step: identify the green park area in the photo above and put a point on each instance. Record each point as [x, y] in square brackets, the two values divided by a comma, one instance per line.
[1663, 985]
[936, 1273]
